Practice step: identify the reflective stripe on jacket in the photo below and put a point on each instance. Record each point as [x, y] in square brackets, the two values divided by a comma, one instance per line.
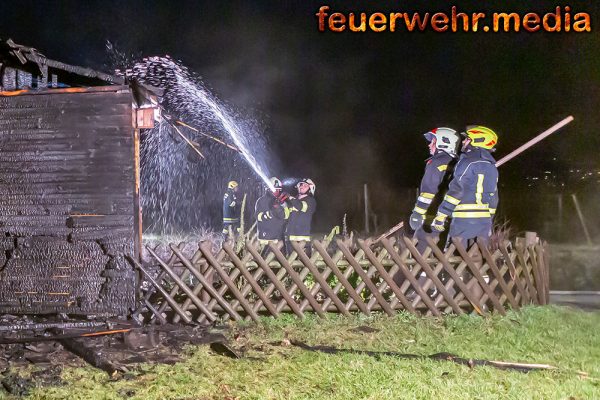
[270, 217]
[300, 219]
[473, 192]
[231, 208]
[438, 173]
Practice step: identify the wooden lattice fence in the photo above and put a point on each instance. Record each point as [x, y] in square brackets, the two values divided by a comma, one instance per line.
[343, 277]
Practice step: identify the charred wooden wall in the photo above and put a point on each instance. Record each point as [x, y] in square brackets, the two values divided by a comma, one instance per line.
[67, 202]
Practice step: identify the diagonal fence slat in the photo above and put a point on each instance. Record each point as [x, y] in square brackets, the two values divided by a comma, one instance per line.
[340, 276]
[418, 272]
[324, 275]
[432, 275]
[408, 275]
[205, 248]
[146, 298]
[492, 264]
[388, 275]
[185, 275]
[166, 296]
[271, 287]
[366, 278]
[251, 281]
[470, 281]
[495, 287]
[515, 273]
[428, 282]
[477, 274]
[317, 275]
[197, 302]
[207, 286]
[526, 273]
[455, 278]
[280, 287]
[294, 287]
[297, 281]
[384, 288]
[457, 274]
[389, 281]
[222, 289]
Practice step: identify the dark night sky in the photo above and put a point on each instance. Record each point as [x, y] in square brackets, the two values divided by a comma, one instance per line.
[347, 108]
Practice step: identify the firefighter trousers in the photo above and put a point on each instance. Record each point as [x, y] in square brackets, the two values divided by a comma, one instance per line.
[469, 229]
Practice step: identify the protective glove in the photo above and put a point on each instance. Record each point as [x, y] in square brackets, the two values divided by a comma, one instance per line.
[416, 220]
[439, 222]
[282, 198]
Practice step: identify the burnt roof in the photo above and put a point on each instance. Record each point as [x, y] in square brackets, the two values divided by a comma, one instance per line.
[30, 59]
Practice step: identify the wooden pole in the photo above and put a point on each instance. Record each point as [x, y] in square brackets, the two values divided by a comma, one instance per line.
[241, 238]
[242, 212]
[535, 140]
[232, 147]
[581, 219]
[188, 141]
[366, 197]
[136, 198]
[390, 231]
[560, 217]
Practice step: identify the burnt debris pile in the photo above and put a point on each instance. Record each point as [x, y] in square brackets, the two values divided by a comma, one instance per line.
[52, 344]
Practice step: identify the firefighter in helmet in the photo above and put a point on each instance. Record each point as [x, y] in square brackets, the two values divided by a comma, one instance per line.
[443, 145]
[301, 210]
[231, 209]
[472, 196]
[271, 213]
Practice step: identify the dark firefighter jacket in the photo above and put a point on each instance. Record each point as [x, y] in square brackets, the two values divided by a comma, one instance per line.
[231, 208]
[473, 192]
[301, 213]
[438, 173]
[270, 217]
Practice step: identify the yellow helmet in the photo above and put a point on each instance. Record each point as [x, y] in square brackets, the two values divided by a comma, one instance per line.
[481, 136]
[232, 185]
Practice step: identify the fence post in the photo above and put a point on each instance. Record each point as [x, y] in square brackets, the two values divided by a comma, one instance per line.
[530, 238]
[366, 196]
[560, 217]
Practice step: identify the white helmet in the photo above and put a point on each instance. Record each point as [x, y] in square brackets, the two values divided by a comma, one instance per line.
[275, 182]
[310, 184]
[446, 139]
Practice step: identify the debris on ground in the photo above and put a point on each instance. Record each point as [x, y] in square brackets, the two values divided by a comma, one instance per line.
[470, 362]
[47, 347]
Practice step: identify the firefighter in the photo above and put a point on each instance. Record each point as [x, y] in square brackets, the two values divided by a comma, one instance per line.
[301, 210]
[271, 214]
[231, 209]
[443, 145]
[472, 195]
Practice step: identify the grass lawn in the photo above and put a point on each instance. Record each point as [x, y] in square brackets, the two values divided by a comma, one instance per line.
[272, 369]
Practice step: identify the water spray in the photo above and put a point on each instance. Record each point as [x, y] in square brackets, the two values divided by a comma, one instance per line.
[226, 121]
[188, 95]
[178, 193]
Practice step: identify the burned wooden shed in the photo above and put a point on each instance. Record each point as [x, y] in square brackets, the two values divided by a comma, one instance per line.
[69, 187]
